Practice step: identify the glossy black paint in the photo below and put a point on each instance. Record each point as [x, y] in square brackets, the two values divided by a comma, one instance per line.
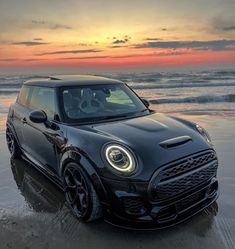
[38, 116]
[156, 140]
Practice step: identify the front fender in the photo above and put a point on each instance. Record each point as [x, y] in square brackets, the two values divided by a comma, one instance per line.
[74, 155]
[12, 128]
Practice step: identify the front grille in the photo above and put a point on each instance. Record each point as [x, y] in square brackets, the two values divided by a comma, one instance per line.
[187, 164]
[183, 175]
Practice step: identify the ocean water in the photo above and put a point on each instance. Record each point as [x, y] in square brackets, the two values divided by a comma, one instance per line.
[207, 92]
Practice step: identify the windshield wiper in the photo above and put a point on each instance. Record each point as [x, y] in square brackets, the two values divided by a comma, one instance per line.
[123, 115]
[112, 117]
[129, 115]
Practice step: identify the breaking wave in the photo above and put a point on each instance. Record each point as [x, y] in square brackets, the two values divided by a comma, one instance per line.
[206, 90]
[197, 99]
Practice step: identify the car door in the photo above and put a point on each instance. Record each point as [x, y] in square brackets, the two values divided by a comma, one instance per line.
[19, 111]
[42, 138]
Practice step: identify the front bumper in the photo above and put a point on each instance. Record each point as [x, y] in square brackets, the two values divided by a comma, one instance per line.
[133, 205]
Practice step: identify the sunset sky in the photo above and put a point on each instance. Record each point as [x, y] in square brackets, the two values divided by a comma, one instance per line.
[107, 35]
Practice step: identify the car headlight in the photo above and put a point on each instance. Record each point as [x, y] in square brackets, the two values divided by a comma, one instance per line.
[120, 158]
[204, 133]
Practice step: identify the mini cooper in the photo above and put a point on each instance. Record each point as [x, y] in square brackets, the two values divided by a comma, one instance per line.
[110, 153]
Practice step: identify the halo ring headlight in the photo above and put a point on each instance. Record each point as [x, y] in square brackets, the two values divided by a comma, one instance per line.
[120, 158]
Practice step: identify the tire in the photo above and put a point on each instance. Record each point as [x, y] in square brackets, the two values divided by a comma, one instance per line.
[12, 144]
[80, 194]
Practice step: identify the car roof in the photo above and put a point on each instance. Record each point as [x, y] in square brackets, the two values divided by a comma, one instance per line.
[70, 80]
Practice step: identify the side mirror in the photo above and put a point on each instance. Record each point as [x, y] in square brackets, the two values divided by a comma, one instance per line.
[146, 103]
[38, 116]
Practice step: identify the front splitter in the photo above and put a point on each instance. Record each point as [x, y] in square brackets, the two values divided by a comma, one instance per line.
[149, 223]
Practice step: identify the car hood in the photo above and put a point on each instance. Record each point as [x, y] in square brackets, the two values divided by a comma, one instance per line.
[155, 139]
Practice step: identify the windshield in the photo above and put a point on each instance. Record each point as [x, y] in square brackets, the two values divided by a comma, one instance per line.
[92, 103]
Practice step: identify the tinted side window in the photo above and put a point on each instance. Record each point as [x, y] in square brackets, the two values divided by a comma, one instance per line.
[23, 95]
[43, 98]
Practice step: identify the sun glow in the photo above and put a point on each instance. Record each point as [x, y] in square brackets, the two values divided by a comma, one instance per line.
[114, 35]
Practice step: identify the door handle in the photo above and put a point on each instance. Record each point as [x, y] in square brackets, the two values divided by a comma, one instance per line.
[24, 120]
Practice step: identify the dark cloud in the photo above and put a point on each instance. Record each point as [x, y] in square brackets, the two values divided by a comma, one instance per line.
[84, 58]
[71, 52]
[8, 59]
[222, 24]
[38, 22]
[164, 29]
[31, 60]
[120, 41]
[60, 26]
[96, 57]
[169, 53]
[118, 46]
[216, 45]
[84, 44]
[29, 43]
[124, 40]
[229, 28]
[152, 39]
[15, 59]
[38, 39]
[125, 56]
[50, 25]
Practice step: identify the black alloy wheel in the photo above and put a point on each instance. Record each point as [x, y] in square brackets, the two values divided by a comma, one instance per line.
[80, 194]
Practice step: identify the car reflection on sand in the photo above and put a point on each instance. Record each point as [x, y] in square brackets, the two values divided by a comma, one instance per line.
[50, 224]
[40, 194]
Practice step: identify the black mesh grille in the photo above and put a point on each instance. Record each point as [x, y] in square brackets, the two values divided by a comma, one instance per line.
[184, 175]
[187, 165]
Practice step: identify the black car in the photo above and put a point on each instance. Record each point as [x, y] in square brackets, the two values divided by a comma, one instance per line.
[111, 154]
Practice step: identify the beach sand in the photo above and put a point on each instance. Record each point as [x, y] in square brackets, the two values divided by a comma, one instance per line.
[33, 214]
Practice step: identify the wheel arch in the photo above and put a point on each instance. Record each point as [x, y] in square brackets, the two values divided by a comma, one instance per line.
[76, 157]
[12, 128]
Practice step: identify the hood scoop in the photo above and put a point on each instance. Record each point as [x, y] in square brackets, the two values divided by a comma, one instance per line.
[175, 142]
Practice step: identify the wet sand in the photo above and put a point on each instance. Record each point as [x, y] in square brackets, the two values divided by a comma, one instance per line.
[33, 214]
